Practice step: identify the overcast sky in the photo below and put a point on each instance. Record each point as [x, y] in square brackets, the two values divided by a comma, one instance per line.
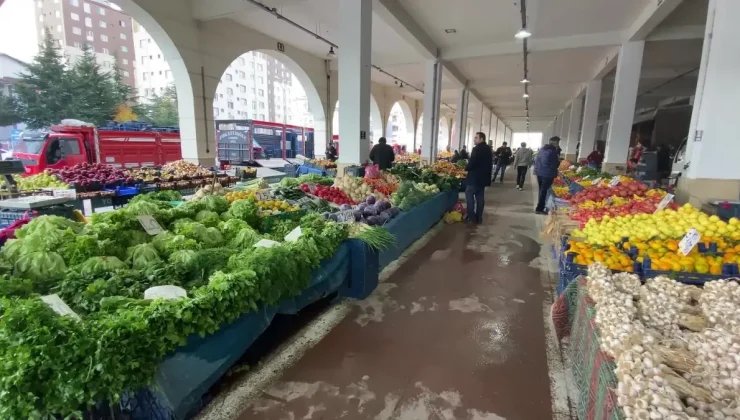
[17, 29]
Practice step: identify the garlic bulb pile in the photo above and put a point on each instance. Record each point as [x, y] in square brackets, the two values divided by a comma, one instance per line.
[720, 302]
[660, 305]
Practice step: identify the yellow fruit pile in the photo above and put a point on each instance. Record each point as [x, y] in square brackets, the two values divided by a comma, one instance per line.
[615, 201]
[238, 195]
[560, 191]
[611, 256]
[269, 207]
[665, 224]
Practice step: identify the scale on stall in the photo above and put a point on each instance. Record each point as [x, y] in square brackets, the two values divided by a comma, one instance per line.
[8, 168]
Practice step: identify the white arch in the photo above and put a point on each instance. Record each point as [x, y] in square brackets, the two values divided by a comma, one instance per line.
[419, 126]
[444, 135]
[406, 135]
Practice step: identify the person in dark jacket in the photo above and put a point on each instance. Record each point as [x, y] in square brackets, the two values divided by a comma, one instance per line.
[479, 177]
[331, 152]
[546, 170]
[382, 154]
[503, 159]
[464, 153]
[456, 157]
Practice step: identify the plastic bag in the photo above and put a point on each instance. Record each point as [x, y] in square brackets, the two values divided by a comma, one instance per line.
[372, 171]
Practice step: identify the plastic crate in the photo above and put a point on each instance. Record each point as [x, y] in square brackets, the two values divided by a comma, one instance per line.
[124, 191]
[9, 216]
[574, 188]
[727, 211]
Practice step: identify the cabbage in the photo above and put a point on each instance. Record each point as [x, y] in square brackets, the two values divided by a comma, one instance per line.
[101, 265]
[231, 227]
[183, 258]
[143, 255]
[208, 218]
[161, 240]
[41, 266]
[212, 237]
[137, 237]
[12, 249]
[215, 203]
[44, 224]
[246, 238]
[143, 208]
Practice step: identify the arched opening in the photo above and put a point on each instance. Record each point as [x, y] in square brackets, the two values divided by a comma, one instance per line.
[400, 128]
[376, 122]
[419, 126]
[277, 95]
[443, 141]
[453, 132]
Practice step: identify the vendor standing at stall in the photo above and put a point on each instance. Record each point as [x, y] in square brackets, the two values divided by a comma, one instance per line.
[382, 154]
[331, 152]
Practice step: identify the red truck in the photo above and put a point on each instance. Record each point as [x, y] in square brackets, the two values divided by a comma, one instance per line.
[65, 145]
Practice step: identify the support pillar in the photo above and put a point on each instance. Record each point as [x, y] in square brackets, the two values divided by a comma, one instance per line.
[430, 127]
[623, 106]
[564, 127]
[460, 120]
[574, 128]
[490, 126]
[590, 118]
[355, 31]
[712, 148]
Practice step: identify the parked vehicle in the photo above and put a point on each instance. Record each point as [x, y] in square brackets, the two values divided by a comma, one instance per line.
[68, 145]
[240, 142]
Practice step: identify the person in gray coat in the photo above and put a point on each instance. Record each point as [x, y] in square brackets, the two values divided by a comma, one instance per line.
[522, 161]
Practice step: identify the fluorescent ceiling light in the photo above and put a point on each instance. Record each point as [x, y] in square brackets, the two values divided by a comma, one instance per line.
[525, 81]
[523, 33]
[526, 95]
[451, 31]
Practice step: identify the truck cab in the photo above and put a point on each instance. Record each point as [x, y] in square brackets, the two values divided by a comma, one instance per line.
[41, 150]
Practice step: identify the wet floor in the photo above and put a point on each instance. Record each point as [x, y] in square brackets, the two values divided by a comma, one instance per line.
[456, 332]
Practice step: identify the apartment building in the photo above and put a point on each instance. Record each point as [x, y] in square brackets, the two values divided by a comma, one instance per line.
[97, 23]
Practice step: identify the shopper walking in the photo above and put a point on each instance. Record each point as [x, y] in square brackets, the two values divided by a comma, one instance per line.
[546, 169]
[503, 155]
[479, 177]
[522, 161]
[382, 154]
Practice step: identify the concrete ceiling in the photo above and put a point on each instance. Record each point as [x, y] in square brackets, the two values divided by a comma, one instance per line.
[573, 42]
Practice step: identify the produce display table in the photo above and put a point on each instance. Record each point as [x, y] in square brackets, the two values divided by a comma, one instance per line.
[411, 225]
[186, 375]
[573, 315]
[270, 176]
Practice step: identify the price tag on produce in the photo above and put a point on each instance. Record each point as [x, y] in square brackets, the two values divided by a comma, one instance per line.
[614, 182]
[150, 224]
[596, 181]
[689, 241]
[664, 202]
[580, 168]
[293, 235]
[346, 216]
[586, 177]
[266, 243]
[71, 193]
[59, 306]
[263, 195]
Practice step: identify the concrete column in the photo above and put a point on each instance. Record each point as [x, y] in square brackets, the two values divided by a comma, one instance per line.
[712, 148]
[430, 127]
[490, 126]
[564, 127]
[623, 106]
[460, 120]
[574, 128]
[590, 118]
[355, 31]
[477, 120]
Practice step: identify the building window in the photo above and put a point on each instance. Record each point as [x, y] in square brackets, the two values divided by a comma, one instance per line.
[124, 61]
[41, 18]
[77, 44]
[159, 56]
[143, 59]
[59, 28]
[220, 95]
[262, 105]
[86, 6]
[229, 91]
[106, 51]
[104, 38]
[90, 36]
[123, 36]
[228, 77]
[168, 74]
[253, 91]
[261, 79]
[260, 67]
[230, 105]
[122, 23]
[262, 92]
[101, 11]
[125, 73]
[254, 105]
[242, 75]
[74, 16]
[124, 49]
[88, 22]
[215, 111]
[76, 30]
[103, 24]
[243, 89]
[145, 76]
[58, 14]
[241, 60]
[262, 117]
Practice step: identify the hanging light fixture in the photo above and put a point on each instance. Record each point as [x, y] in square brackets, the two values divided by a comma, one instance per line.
[526, 95]
[331, 52]
[522, 34]
[524, 81]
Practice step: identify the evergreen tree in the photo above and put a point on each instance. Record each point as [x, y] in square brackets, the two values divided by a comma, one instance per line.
[8, 114]
[162, 109]
[95, 99]
[43, 94]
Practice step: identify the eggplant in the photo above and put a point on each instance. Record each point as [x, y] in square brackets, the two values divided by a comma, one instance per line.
[386, 215]
[358, 215]
[394, 211]
[369, 211]
[370, 199]
[361, 206]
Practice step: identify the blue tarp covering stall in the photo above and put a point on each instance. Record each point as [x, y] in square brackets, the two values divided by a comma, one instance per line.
[411, 225]
[304, 169]
[186, 375]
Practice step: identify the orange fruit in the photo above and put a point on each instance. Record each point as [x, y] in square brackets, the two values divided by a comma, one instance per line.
[715, 269]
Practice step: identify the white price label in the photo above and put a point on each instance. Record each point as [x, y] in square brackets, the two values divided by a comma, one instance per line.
[293, 235]
[664, 202]
[596, 181]
[689, 241]
[586, 177]
[59, 306]
[165, 292]
[263, 195]
[346, 216]
[614, 182]
[580, 168]
[266, 243]
[71, 193]
[150, 225]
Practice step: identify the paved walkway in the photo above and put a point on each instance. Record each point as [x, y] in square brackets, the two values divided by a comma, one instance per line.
[456, 332]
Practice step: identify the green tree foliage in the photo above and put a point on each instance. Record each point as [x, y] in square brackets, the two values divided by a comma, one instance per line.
[162, 108]
[8, 116]
[95, 99]
[43, 93]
